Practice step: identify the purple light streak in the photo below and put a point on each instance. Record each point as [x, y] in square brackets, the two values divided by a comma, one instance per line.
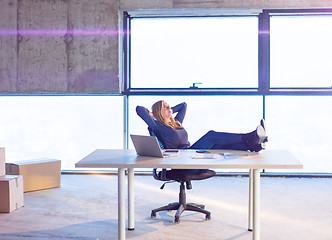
[61, 32]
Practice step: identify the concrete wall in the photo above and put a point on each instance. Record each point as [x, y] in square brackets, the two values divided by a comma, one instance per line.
[72, 46]
[46, 56]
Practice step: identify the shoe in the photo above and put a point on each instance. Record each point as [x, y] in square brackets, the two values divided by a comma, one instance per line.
[254, 139]
[262, 122]
[260, 134]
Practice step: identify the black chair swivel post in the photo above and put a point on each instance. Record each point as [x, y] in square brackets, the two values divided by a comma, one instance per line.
[184, 177]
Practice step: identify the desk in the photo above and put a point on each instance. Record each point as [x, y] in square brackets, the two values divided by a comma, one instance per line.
[127, 159]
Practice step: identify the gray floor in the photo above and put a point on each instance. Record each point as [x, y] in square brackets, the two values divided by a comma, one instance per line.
[85, 207]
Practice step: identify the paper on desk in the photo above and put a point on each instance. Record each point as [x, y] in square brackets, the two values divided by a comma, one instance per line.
[218, 155]
[234, 155]
[207, 156]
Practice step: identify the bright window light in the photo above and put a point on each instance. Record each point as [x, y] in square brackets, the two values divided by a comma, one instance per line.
[204, 113]
[301, 51]
[301, 124]
[59, 127]
[177, 52]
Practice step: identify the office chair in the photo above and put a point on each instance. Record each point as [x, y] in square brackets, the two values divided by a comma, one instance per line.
[184, 177]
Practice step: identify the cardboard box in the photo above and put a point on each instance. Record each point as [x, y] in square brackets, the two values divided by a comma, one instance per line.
[2, 162]
[37, 174]
[11, 193]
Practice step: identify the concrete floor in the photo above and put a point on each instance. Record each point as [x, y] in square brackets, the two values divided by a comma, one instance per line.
[85, 207]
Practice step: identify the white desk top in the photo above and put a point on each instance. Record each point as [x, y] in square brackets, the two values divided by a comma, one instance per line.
[124, 158]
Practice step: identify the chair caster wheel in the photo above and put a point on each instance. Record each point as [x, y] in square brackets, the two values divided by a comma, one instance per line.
[177, 220]
[153, 215]
[208, 217]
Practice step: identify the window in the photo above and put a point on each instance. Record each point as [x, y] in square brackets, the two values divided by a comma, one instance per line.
[204, 113]
[61, 127]
[301, 51]
[217, 52]
[302, 124]
[273, 64]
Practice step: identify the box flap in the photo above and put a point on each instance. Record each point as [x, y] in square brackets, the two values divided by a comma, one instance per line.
[34, 161]
[9, 177]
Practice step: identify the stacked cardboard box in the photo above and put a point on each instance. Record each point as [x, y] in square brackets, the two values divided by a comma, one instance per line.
[11, 193]
[11, 188]
[37, 174]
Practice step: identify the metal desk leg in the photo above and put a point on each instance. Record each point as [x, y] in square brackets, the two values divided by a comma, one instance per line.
[250, 212]
[131, 209]
[256, 203]
[121, 205]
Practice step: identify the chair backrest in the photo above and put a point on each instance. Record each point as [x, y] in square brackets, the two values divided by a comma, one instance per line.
[153, 134]
[161, 176]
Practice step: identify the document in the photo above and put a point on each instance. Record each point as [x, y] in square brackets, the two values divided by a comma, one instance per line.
[209, 155]
[234, 155]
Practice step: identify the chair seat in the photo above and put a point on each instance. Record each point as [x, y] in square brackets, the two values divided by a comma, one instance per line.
[189, 174]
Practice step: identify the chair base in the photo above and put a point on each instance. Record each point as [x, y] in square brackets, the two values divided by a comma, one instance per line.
[182, 206]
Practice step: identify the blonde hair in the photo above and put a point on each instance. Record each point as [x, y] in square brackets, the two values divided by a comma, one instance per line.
[156, 110]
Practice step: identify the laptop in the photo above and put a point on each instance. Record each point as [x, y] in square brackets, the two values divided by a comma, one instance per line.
[149, 146]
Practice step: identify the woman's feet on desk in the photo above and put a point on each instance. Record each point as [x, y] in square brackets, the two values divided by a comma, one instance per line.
[255, 140]
[256, 137]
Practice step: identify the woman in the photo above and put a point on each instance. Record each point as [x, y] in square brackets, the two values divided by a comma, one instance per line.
[171, 133]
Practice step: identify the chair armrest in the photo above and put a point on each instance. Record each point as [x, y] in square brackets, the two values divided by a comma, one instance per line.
[161, 175]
